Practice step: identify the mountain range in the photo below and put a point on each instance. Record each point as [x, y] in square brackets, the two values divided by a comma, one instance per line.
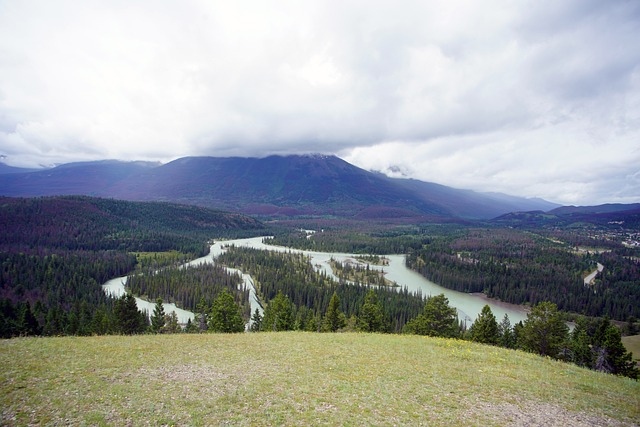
[293, 185]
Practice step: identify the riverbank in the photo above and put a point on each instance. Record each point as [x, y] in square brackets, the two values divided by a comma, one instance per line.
[525, 309]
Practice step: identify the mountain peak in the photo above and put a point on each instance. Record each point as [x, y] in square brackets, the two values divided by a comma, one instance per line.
[307, 184]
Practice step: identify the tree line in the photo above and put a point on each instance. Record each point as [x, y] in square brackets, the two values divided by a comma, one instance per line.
[55, 252]
[310, 291]
[189, 286]
[519, 267]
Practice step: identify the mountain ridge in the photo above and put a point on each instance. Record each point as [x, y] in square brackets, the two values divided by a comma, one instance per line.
[295, 185]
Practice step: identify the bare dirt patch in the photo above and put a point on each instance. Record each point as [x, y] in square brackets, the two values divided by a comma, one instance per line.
[537, 414]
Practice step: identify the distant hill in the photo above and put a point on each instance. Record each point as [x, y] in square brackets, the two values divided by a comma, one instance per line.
[5, 169]
[81, 178]
[81, 222]
[600, 209]
[470, 204]
[609, 215]
[275, 185]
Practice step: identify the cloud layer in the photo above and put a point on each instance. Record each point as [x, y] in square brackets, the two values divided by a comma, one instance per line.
[528, 98]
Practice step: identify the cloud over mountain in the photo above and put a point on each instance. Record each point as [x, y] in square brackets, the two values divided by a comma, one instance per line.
[528, 98]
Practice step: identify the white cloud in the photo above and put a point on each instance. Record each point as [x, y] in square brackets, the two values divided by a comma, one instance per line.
[529, 98]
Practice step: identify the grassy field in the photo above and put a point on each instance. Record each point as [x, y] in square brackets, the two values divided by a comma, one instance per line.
[299, 379]
[632, 344]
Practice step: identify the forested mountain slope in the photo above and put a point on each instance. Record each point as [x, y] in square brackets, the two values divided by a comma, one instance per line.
[276, 185]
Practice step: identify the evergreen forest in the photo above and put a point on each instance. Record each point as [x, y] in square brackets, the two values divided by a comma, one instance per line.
[56, 252]
[518, 266]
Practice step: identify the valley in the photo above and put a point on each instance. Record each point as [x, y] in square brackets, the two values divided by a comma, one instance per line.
[97, 268]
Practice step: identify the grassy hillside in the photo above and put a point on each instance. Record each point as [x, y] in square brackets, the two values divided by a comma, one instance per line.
[632, 344]
[299, 379]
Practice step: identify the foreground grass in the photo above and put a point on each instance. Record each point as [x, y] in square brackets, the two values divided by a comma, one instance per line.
[299, 379]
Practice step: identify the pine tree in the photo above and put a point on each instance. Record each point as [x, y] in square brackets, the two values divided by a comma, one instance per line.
[507, 337]
[485, 328]
[171, 325]
[225, 315]
[580, 345]
[544, 332]
[191, 327]
[129, 319]
[313, 324]
[256, 321]
[371, 314]
[517, 334]
[27, 322]
[278, 316]
[334, 319]
[158, 318]
[437, 320]
[618, 359]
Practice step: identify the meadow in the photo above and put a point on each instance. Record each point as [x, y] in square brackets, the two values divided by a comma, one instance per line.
[298, 378]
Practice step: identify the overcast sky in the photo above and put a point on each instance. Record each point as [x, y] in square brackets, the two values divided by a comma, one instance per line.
[531, 98]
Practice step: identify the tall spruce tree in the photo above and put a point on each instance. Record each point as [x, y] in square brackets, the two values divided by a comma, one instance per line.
[129, 319]
[256, 321]
[485, 328]
[580, 344]
[225, 315]
[334, 319]
[202, 315]
[158, 317]
[371, 317]
[507, 337]
[617, 360]
[278, 316]
[27, 322]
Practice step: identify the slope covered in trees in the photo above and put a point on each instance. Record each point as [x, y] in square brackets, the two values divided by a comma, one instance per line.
[521, 267]
[56, 252]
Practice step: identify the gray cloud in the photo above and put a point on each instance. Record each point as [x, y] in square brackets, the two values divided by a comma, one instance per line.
[532, 99]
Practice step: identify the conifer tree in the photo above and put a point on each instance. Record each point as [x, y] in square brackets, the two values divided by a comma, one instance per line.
[256, 321]
[437, 320]
[129, 319]
[517, 334]
[485, 328]
[201, 315]
[371, 314]
[171, 325]
[507, 337]
[158, 317]
[278, 316]
[191, 327]
[313, 324]
[544, 332]
[617, 360]
[27, 323]
[334, 319]
[225, 315]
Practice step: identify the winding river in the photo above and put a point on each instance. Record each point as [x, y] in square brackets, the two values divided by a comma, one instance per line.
[468, 305]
